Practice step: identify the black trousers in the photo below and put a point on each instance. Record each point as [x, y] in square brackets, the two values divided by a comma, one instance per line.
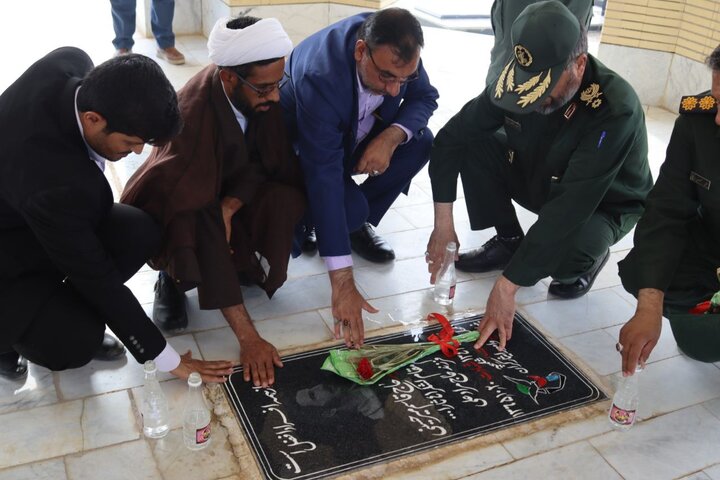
[51, 324]
[491, 183]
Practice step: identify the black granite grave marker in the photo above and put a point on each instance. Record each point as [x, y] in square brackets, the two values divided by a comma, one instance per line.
[313, 423]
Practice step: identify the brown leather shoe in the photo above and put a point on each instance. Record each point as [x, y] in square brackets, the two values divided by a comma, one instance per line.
[171, 55]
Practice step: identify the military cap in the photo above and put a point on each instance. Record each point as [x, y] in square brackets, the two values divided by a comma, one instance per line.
[543, 36]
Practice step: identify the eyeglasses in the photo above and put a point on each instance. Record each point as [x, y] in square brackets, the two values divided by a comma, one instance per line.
[387, 77]
[266, 89]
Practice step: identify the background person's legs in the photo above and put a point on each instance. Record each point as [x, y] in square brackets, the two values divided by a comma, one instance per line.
[123, 15]
[161, 18]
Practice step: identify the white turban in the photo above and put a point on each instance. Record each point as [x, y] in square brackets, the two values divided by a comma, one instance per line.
[262, 40]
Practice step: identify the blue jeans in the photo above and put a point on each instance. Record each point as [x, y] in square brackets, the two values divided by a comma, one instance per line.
[161, 18]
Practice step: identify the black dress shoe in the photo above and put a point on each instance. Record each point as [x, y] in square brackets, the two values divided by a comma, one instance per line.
[580, 286]
[371, 246]
[110, 349]
[13, 366]
[169, 307]
[495, 254]
[309, 244]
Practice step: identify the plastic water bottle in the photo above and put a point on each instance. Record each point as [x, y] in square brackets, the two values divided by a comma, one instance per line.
[155, 405]
[446, 278]
[625, 403]
[196, 417]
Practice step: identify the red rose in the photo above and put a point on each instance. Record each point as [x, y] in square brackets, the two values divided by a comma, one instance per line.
[364, 369]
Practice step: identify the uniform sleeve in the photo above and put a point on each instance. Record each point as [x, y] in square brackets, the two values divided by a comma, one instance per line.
[64, 222]
[593, 167]
[661, 234]
[452, 146]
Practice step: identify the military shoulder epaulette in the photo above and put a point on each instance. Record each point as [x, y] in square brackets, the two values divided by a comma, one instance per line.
[592, 97]
[702, 103]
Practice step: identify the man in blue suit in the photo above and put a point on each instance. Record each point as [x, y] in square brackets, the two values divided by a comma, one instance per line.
[358, 102]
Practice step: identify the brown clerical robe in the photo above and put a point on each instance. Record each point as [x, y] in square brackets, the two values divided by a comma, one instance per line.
[182, 183]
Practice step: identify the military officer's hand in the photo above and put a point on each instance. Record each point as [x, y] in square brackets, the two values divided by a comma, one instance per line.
[347, 307]
[499, 313]
[376, 157]
[210, 371]
[640, 334]
[435, 253]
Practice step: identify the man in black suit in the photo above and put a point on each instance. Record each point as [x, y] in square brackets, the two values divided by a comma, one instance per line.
[65, 248]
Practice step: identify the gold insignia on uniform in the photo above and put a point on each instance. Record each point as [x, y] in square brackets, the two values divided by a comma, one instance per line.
[591, 95]
[523, 56]
[707, 102]
[500, 86]
[688, 103]
[537, 92]
[570, 111]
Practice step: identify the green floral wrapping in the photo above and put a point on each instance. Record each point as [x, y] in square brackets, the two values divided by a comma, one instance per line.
[383, 359]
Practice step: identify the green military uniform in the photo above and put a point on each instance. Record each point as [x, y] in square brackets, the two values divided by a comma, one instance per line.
[502, 16]
[583, 169]
[677, 241]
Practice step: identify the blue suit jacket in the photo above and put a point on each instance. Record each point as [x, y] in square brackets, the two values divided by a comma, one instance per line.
[321, 109]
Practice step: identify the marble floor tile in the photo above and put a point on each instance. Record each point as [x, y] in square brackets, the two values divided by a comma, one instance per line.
[142, 284]
[108, 419]
[175, 461]
[392, 221]
[713, 406]
[713, 472]
[397, 277]
[307, 264]
[120, 462]
[415, 196]
[596, 349]
[598, 309]
[28, 433]
[458, 466]
[295, 296]
[423, 215]
[608, 276]
[552, 438]
[572, 462]
[696, 476]
[665, 447]
[48, 470]
[35, 390]
[284, 333]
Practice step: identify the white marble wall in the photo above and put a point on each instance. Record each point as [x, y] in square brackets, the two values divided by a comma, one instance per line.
[299, 21]
[659, 78]
[187, 19]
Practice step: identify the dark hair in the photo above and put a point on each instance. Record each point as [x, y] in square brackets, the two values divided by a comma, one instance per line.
[395, 27]
[713, 60]
[245, 69]
[134, 96]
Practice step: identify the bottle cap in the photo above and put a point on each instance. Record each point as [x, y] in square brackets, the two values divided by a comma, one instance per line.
[150, 367]
[194, 380]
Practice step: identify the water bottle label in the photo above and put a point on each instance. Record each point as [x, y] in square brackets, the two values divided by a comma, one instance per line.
[622, 417]
[202, 435]
[452, 292]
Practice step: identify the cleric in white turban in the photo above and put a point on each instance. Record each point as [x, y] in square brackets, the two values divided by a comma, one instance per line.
[263, 40]
[228, 190]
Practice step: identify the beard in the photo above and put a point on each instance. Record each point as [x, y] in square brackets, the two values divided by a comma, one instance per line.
[240, 102]
[563, 97]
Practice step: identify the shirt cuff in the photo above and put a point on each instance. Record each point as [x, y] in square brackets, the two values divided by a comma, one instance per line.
[338, 262]
[407, 132]
[168, 359]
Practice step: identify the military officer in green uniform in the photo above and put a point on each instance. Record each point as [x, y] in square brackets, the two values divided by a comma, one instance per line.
[677, 242]
[576, 155]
